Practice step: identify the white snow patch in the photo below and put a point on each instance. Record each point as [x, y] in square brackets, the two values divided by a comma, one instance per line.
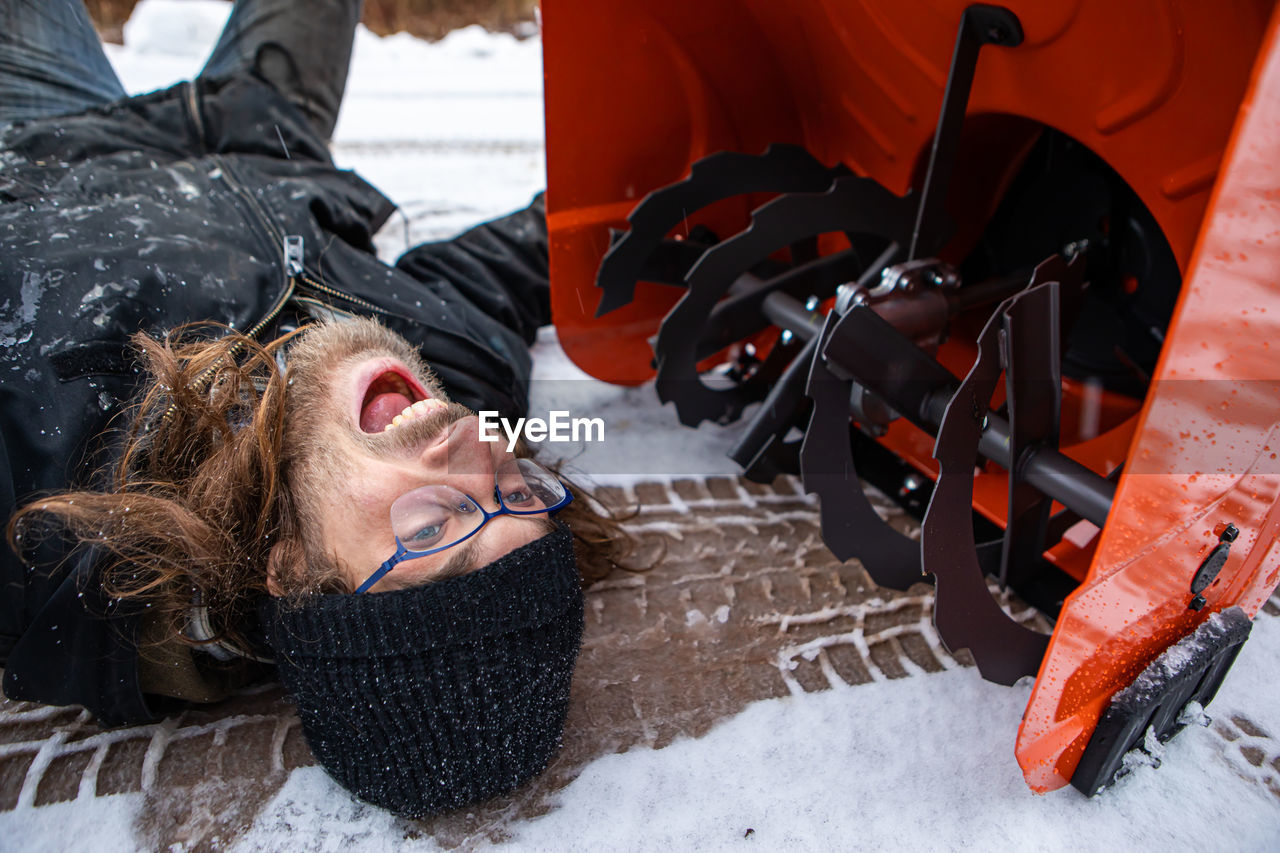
[693, 618]
[97, 824]
[312, 811]
[922, 763]
[95, 293]
[643, 440]
[175, 27]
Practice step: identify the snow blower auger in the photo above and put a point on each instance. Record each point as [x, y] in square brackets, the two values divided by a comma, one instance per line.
[947, 244]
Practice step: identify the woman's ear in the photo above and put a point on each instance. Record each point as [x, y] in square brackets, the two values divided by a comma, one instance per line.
[289, 572]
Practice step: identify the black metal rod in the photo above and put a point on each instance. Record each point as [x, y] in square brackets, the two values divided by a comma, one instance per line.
[980, 25]
[1060, 477]
[1071, 484]
[789, 313]
[778, 408]
[785, 311]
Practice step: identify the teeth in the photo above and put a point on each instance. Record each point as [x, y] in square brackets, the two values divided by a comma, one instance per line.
[418, 409]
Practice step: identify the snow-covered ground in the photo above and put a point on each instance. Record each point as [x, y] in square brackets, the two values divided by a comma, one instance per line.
[918, 764]
[453, 132]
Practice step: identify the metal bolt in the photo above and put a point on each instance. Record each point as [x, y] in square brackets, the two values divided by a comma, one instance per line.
[1229, 534]
[847, 295]
[812, 303]
[1074, 248]
[1197, 603]
[786, 337]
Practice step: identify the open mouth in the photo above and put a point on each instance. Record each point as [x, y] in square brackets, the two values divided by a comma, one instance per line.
[389, 399]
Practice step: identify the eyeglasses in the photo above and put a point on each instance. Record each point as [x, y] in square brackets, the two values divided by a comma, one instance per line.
[433, 518]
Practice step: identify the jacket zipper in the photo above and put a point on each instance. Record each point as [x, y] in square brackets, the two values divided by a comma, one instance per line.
[292, 264]
[292, 276]
[312, 284]
[298, 273]
[200, 381]
[291, 269]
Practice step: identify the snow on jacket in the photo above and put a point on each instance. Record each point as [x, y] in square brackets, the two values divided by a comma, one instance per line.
[174, 207]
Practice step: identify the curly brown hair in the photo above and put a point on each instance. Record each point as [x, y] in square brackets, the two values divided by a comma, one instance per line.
[200, 496]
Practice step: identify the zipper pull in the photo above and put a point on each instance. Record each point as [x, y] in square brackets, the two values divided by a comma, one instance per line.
[293, 255]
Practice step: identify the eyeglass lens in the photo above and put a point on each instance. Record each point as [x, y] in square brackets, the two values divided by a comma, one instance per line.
[438, 516]
[526, 487]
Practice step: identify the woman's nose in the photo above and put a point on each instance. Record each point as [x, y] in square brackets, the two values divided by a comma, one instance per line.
[466, 463]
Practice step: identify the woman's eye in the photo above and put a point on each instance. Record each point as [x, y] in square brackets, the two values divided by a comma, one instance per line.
[517, 497]
[426, 536]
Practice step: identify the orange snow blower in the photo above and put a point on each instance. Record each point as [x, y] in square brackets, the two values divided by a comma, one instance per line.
[1017, 266]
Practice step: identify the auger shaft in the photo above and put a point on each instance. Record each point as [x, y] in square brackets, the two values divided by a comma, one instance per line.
[1060, 477]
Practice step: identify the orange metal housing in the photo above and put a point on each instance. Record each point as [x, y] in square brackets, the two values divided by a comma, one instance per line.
[1204, 456]
[635, 93]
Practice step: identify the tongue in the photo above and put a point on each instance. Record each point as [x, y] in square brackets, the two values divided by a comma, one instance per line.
[381, 410]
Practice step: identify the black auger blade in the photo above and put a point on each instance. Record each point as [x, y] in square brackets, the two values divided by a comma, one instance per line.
[850, 205]
[780, 169]
[965, 613]
[1024, 334]
[851, 527]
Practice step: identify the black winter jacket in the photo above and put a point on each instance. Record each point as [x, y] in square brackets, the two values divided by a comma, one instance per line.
[169, 208]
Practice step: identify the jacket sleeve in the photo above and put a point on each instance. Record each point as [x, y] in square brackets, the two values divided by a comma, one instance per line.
[500, 266]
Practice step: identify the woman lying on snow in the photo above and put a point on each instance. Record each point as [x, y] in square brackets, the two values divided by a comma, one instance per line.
[303, 490]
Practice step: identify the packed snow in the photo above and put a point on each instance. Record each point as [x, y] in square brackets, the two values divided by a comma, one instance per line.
[453, 132]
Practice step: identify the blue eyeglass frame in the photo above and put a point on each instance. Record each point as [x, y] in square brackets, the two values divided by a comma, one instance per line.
[402, 553]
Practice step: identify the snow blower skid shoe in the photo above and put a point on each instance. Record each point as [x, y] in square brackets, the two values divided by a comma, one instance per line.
[1185, 677]
[982, 317]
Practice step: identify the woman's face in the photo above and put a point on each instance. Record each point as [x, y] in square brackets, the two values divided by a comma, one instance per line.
[366, 422]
